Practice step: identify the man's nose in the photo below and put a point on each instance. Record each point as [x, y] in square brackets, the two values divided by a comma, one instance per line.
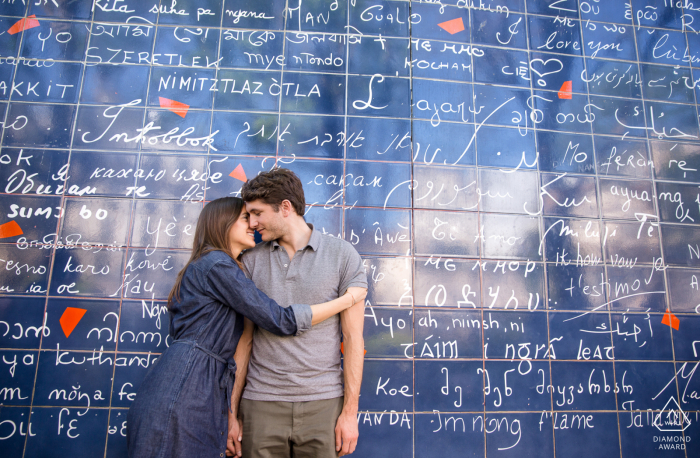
[252, 222]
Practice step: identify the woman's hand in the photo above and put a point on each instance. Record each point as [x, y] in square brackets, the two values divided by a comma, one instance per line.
[235, 436]
[359, 294]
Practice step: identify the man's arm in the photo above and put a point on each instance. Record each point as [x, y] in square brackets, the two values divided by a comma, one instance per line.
[242, 356]
[352, 321]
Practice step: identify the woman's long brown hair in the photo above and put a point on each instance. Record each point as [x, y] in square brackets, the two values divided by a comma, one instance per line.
[211, 234]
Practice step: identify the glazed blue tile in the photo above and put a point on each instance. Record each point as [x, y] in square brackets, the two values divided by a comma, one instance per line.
[378, 96]
[34, 84]
[433, 144]
[130, 371]
[629, 245]
[37, 216]
[316, 53]
[573, 115]
[447, 283]
[668, 83]
[518, 434]
[627, 158]
[442, 101]
[431, 15]
[386, 18]
[55, 40]
[324, 182]
[13, 446]
[646, 381]
[618, 117]
[502, 147]
[553, 35]
[381, 139]
[611, 78]
[567, 8]
[637, 289]
[682, 292]
[388, 385]
[675, 203]
[194, 13]
[115, 85]
[103, 174]
[609, 41]
[657, 13]
[449, 434]
[118, 11]
[445, 188]
[72, 10]
[14, 9]
[378, 184]
[551, 72]
[143, 326]
[86, 273]
[599, 393]
[509, 237]
[18, 377]
[196, 47]
[564, 152]
[94, 221]
[194, 88]
[312, 136]
[680, 243]
[500, 66]
[56, 123]
[454, 61]
[97, 329]
[117, 44]
[6, 78]
[693, 41]
[32, 171]
[388, 333]
[458, 330]
[641, 438]
[245, 133]
[148, 274]
[318, 16]
[513, 285]
[496, 105]
[116, 439]
[9, 43]
[574, 287]
[175, 176]
[391, 280]
[568, 196]
[675, 161]
[266, 15]
[658, 46]
[489, 28]
[91, 425]
[385, 434]
[312, 93]
[508, 191]
[685, 346]
[517, 386]
[377, 231]
[445, 233]
[165, 130]
[221, 183]
[641, 337]
[606, 11]
[21, 313]
[30, 266]
[389, 56]
[108, 128]
[255, 49]
[505, 335]
[599, 431]
[328, 220]
[625, 199]
[449, 386]
[163, 224]
[592, 337]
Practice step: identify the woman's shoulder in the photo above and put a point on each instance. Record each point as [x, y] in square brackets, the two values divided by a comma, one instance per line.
[211, 259]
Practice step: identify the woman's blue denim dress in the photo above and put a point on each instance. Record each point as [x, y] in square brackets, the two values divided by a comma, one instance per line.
[181, 408]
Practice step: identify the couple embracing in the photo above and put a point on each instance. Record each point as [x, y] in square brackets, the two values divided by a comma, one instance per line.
[253, 370]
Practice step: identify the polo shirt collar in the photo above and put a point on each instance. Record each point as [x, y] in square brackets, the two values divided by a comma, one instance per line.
[314, 240]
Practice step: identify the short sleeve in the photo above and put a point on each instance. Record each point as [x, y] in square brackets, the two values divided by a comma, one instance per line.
[352, 270]
[227, 283]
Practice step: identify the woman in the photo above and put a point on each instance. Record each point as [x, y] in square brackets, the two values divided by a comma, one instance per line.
[181, 409]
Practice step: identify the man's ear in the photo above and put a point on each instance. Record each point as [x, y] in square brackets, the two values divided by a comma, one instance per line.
[286, 208]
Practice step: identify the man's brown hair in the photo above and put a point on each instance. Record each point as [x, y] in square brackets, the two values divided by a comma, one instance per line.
[275, 186]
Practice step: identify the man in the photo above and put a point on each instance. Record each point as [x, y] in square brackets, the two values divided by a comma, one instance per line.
[298, 401]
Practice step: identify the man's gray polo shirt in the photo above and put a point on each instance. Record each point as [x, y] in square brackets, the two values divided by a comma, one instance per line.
[305, 367]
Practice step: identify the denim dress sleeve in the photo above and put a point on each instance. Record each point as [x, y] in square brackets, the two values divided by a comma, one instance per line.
[227, 283]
